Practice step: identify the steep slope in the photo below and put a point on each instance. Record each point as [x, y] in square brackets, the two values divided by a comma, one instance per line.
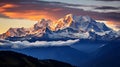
[37, 30]
[83, 27]
[13, 59]
[85, 23]
[64, 22]
[15, 32]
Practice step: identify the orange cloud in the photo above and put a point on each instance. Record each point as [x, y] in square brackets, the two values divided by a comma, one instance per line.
[1, 10]
[113, 24]
[8, 6]
[35, 11]
[57, 9]
[32, 15]
[26, 14]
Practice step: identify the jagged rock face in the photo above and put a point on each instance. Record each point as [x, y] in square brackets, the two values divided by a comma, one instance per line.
[81, 23]
[85, 23]
[40, 27]
[70, 26]
[37, 30]
[80, 27]
[64, 22]
[15, 32]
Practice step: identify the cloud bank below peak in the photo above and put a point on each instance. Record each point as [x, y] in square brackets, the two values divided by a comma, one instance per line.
[26, 44]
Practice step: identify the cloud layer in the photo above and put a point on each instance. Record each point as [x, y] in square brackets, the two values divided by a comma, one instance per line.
[107, 8]
[37, 9]
[26, 44]
[107, 0]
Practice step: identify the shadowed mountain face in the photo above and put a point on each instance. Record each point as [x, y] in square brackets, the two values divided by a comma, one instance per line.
[106, 56]
[82, 54]
[13, 59]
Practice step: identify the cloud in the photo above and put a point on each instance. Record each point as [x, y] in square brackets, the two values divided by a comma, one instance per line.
[35, 10]
[26, 44]
[107, 0]
[32, 9]
[3, 16]
[114, 24]
[118, 26]
[16, 1]
[107, 8]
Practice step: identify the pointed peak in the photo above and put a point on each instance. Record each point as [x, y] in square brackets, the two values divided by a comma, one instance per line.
[12, 29]
[87, 18]
[68, 16]
[41, 20]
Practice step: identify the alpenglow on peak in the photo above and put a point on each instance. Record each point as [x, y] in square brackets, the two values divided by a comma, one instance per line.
[70, 26]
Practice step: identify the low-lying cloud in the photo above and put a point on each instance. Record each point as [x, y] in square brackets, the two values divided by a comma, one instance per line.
[26, 44]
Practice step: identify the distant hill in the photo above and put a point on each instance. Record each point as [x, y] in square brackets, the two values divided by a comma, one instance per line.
[13, 59]
[106, 56]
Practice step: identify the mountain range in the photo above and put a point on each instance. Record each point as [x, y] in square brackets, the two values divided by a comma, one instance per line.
[68, 27]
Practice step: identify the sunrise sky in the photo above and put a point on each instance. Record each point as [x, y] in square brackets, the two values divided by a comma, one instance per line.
[25, 13]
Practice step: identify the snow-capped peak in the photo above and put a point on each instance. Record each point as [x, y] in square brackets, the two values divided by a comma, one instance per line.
[63, 23]
[37, 30]
[86, 18]
[68, 16]
[70, 26]
[41, 24]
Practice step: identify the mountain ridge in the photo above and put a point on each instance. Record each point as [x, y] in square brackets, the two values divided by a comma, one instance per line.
[70, 26]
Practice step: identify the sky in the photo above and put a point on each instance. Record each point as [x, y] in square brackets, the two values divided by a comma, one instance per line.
[25, 13]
